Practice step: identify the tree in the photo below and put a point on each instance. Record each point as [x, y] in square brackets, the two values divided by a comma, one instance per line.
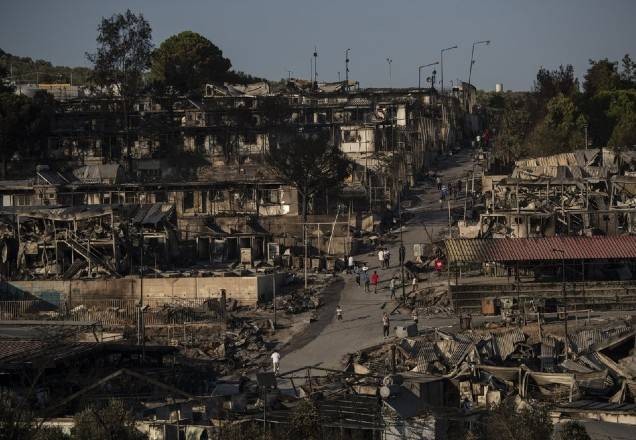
[561, 130]
[602, 75]
[187, 61]
[515, 123]
[628, 73]
[550, 84]
[308, 162]
[304, 422]
[110, 422]
[573, 431]
[506, 422]
[123, 53]
[25, 124]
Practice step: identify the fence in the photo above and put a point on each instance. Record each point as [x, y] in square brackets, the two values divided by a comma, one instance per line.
[115, 312]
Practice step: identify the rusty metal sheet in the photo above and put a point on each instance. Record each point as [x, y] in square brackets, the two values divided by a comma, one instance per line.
[541, 249]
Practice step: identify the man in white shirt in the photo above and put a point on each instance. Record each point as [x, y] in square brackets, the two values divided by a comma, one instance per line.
[381, 258]
[350, 263]
[276, 362]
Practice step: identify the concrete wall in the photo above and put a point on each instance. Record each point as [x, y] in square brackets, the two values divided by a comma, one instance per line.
[246, 290]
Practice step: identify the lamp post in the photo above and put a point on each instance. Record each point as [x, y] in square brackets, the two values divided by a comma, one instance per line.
[347, 68]
[389, 61]
[472, 57]
[585, 127]
[419, 72]
[402, 250]
[441, 59]
[565, 299]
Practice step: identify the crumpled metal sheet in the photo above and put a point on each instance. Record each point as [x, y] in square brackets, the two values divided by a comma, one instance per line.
[504, 344]
[582, 340]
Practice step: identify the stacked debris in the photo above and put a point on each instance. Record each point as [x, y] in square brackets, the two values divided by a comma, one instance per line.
[489, 365]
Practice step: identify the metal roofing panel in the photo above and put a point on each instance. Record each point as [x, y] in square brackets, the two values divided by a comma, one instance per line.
[545, 248]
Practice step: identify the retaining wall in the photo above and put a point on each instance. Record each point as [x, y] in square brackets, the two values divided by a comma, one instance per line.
[246, 290]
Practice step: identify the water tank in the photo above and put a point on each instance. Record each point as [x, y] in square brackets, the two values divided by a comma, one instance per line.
[498, 87]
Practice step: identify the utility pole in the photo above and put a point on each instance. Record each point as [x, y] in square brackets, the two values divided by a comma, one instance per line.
[289, 72]
[472, 57]
[274, 292]
[419, 73]
[565, 300]
[347, 69]
[441, 58]
[389, 61]
[585, 127]
[316, 66]
[402, 251]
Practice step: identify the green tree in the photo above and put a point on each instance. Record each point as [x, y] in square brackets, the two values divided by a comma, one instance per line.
[602, 75]
[572, 431]
[628, 72]
[304, 422]
[561, 130]
[505, 422]
[123, 53]
[550, 84]
[108, 423]
[187, 61]
[515, 123]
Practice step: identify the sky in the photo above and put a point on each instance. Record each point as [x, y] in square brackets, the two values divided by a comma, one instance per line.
[269, 37]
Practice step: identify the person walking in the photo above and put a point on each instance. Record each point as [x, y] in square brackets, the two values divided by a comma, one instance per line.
[402, 254]
[339, 313]
[364, 277]
[392, 287]
[414, 284]
[439, 183]
[358, 278]
[375, 280]
[276, 361]
[386, 324]
[381, 258]
[387, 258]
[414, 317]
[350, 263]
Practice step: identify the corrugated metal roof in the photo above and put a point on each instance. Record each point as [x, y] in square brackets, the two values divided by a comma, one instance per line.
[505, 343]
[534, 249]
[584, 339]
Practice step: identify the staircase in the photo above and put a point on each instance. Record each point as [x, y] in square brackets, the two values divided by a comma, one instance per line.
[596, 295]
[90, 254]
[74, 268]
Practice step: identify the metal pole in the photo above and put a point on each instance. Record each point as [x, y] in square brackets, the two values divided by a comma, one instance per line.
[347, 68]
[565, 307]
[442, 63]
[401, 240]
[274, 290]
[470, 69]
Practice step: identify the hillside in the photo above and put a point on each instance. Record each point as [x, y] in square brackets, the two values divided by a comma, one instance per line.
[27, 70]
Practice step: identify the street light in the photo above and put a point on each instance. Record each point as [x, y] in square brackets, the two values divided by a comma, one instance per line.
[441, 57]
[419, 73]
[347, 67]
[472, 57]
[389, 61]
[565, 299]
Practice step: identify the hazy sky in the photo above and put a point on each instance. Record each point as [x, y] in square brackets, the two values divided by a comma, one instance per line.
[269, 37]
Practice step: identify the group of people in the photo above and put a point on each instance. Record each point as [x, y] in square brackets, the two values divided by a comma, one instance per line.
[451, 190]
[384, 258]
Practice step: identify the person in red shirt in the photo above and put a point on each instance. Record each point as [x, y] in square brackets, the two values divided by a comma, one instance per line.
[375, 279]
